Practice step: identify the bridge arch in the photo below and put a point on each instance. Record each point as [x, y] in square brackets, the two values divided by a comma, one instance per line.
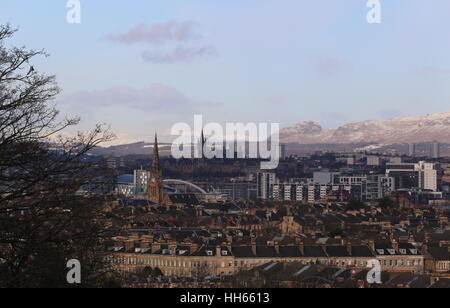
[195, 187]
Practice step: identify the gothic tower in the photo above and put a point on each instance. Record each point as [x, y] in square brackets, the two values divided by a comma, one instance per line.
[155, 184]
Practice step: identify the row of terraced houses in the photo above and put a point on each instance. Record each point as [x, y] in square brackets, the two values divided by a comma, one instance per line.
[189, 260]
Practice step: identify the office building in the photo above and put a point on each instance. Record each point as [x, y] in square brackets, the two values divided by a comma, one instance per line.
[407, 176]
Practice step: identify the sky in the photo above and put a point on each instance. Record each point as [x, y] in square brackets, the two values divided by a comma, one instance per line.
[144, 65]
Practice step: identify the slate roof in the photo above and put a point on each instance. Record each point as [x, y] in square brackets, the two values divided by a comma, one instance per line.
[211, 251]
[242, 251]
[266, 252]
[290, 252]
[314, 251]
[337, 251]
[386, 249]
[439, 253]
[189, 199]
[362, 251]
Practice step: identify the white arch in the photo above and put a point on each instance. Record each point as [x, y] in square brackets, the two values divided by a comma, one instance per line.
[186, 183]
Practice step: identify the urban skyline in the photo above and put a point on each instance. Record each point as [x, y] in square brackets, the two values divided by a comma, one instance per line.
[224, 152]
[322, 61]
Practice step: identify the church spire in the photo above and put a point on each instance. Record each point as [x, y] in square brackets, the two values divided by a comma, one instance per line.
[155, 162]
[156, 192]
[203, 142]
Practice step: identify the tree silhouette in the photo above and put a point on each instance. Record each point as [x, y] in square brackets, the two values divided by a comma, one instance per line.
[44, 220]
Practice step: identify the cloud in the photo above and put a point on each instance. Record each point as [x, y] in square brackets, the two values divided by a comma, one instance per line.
[158, 33]
[176, 36]
[179, 54]
[157, 98]
[331, 66]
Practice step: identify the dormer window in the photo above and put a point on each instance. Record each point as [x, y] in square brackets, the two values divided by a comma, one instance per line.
[403, 251]
[209, 253]
[391, 251]
[224, 253]
[414, 251]
[380, 251]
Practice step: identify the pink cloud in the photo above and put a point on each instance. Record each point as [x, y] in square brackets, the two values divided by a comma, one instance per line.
[179, 54]
[156, 97]
[158, 33]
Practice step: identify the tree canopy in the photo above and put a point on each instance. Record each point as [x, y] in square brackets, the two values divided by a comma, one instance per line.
[44, 220]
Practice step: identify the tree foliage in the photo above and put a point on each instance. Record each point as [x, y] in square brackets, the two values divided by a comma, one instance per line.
[355, 205]
[44, 220]
[386, 203]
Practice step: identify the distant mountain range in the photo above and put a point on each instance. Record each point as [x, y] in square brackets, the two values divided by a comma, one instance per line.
[433, 127]
[309, 136]
[138, 148]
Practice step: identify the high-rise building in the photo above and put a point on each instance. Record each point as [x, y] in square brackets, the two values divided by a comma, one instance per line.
[412, 150]
[282, 151]
[141, 177]
[265, 182]
[428, 176]
[434, 150]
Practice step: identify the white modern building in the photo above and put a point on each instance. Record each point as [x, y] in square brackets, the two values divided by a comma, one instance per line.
[422, 175]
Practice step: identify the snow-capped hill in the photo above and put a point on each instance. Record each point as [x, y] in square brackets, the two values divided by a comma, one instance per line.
[399, 130]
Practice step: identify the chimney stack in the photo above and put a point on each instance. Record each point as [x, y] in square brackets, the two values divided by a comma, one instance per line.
[394, 244]
[349, 248]
[173, 248]
[302, 248]
[218, 251]
[372, 246]
[277, 247]
[155, 247]
[253, 243]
